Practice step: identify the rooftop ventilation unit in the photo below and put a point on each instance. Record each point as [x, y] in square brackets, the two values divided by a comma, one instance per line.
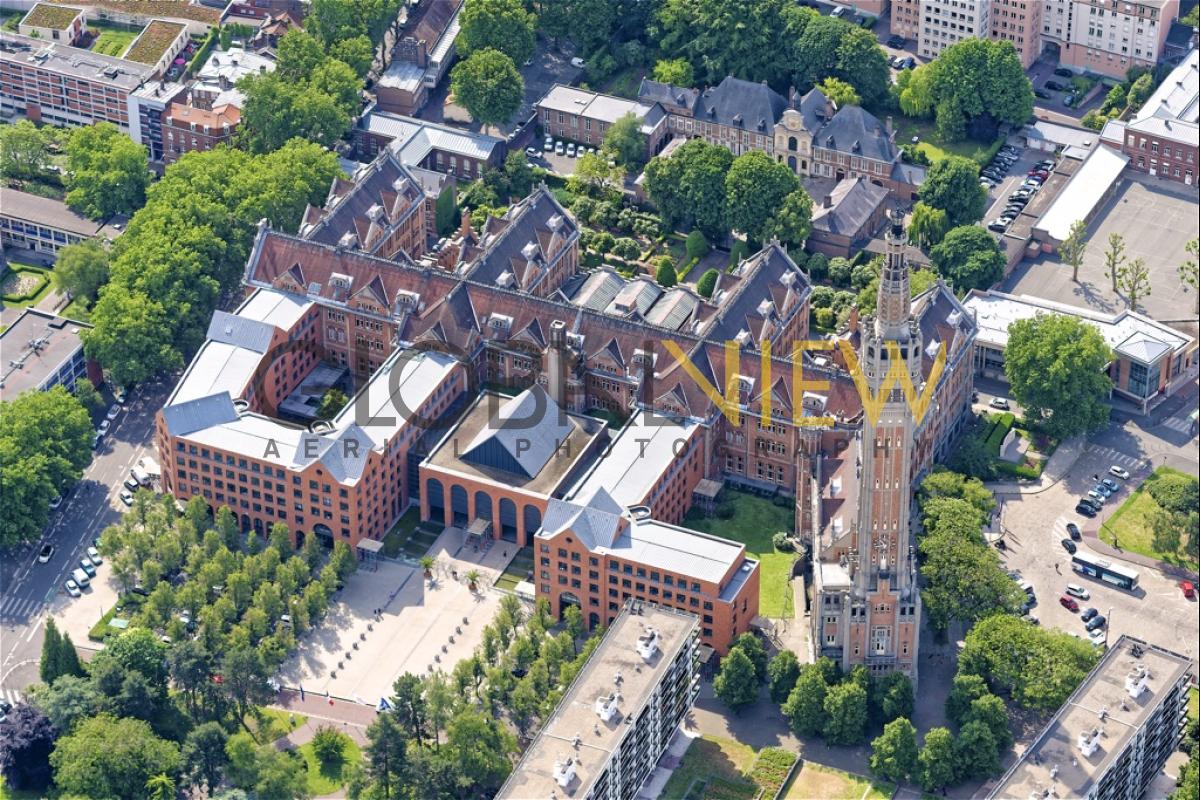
[647, 644]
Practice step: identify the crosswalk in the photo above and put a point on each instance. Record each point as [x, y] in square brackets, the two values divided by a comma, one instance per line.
[11, 695]
[16, 608]
[1181, 423]
[1120, 459]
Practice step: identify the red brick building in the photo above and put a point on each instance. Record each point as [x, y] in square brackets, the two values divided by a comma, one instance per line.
[187, 128]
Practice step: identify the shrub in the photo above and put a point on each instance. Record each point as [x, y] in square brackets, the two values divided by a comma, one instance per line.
[626, 248]
[584, 208]
[329, 745]
[604, 242]
[738, 252]
[999, 431]
[725, 511]
[782, 542]
[707, 283]
[666, 275]
[696, 245]
[825, 318]
[818, 266]
[1175, 492]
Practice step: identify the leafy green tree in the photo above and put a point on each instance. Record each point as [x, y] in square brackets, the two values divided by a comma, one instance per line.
[409, 707]
[488, 86]
[329, 745]
[972, 86]
[755, 188]
[862, 64]
[160, 787]
[1134, 281]
[518, 173]
[792, 222]
[990, 710]
[689, 187]
[23, 150]
[625, 142]
[952, 185]
[707, 283]
[675, 71]
[1055, 364]
[666, 275]
[969, 258]
[280, 775]
[1073, 247]
[928, 225]
[936, 765]
[1189, 270]
[49, 667]
[88, 397]
[81, 269]
[502, 25]
[845, 714]
[480, 748]
[964, 579]
[386, 755]
[895, 693]
[356, 52]
[736, 684]
[840, 92]
[333, 401]
[1140, 91]
[975, 751]
[589, 23]
[204, 754]
[943, 483]
[732, 37]
[66, 701]
[753, 647]
[26, 739]
[45, 442]
[782, 673]
[244, 680]
[805, 706]
[110, 757]
[894, 752]
[107, 172]
[1114, 258]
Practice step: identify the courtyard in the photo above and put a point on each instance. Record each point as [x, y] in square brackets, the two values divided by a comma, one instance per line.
[423, 625]
[1156, 218]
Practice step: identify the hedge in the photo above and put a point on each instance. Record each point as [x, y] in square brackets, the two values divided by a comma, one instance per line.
[203, 51]
[43, 281]
[1016, 470]
[998, 432]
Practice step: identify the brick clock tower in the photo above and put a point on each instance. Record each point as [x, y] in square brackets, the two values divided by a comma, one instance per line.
[868, 606]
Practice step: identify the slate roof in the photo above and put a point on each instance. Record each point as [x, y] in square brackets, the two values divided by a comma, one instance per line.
[524, 243]
[527, 430]
[856, 131]
[769, 276]
[432, 20]
[596, 522]
[240, 331]
[853, 200]
[203, 412]
[651, 92]
[741, 104]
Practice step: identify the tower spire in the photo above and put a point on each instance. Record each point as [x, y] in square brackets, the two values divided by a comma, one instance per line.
[892, 302]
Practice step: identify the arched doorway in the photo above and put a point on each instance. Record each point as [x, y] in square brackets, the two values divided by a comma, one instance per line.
[483, 506]
[436, 498]
[567, 599]
[245, 522]
[792, 163]
[458, 506]
[508, 520]
[533, 521]
[324, 534]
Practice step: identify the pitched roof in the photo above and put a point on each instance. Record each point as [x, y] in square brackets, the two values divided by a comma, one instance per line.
[741, 104]
[852, 202]
[527, 430]
[856, 131]
[203, 412]
[530, 236]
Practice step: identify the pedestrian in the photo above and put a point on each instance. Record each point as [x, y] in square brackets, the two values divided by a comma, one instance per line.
[1056, 569]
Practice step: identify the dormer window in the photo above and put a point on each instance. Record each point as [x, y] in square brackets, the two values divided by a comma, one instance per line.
[500, 322]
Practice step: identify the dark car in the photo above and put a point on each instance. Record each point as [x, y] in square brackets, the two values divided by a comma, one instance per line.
[1096, 622]
[1086, 616]
[1063, 72]
[1069, 546]
[895, 41]
[1038, 93]
[908, 63]
[1053, 86]
[1073, 530]
[1085, 510]
[1095, 504]
[1018, 200]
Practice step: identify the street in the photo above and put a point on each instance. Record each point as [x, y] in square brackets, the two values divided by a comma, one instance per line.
[27, 587]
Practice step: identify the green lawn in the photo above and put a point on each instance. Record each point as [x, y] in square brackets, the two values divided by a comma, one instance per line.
[931, 144]
[327, 779]
[276, 723]
[1193, 708]
[753, 523]
[12, 278]
[113, 39]
[1131, 528]
[816, 782]
[713, 760]
[401, 532]
[517, 570]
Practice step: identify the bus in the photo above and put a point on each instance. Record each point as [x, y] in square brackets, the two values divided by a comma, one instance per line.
[1104, 570]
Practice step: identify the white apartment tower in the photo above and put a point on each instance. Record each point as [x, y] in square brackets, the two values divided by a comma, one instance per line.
[946, 22]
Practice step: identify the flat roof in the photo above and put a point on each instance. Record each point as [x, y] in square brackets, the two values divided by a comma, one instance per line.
[1061, 135]
[51, 213]
[577, 714]
[414, 138]
[233, 64]
[637, 457]
[74, 62]
[1126, 332]
[1083, 192]
[57, 340]
[1110, 702]
[603, 107]
[48, 15]
[390, 400]
[275, 308]
[217, 367]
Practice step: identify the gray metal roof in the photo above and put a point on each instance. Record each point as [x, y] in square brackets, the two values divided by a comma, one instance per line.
[527, 431]
[597, 523]
[203, 412]
[854, 200]
[240, 331]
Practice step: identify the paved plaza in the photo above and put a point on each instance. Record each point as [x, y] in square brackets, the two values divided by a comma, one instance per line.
[423, 624]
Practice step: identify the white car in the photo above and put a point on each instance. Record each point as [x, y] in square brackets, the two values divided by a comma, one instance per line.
[72, 588]
[94, 555]
[1075, 590]
[578, 63]
[56, 502]
[548, 145]
[560, 149]
[1097, 636]
[131, 484]
[1120, 472]
[532, 152]
[126, 497]
[46, 553]
[999, 402]
[113, 411]
[103, 427]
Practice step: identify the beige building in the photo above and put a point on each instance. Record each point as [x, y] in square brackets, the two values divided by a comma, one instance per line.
[1107, 36]
[947, 22]
[1019, 22]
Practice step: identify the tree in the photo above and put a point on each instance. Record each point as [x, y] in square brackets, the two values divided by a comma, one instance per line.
[26, 739]
[502, 25]
[276, 111]
[969, 258]
[356, 52]
[736, 684]
[936, 765]
[107, 172]
[862, 64]
[666, 275]
[1055, 364]
[943, 484]
[409, 707]
[1114, 258]
[730, 37]
[975, 752]
[964, 690]
[895, 694]
[928, 225]
[839, 92]
[88, 397]
[594, 176]
[1074, 246]
[110, 757]
[1189, 270]
[49, 667]
[386, 755]
[1140, 91]
[160, 787]
[1134, 281]
[518, 174]
[625, 142]
[66, 701]
[480, 746]
[792, 221]
[894, 752]
[333, 401]
[45, 442]
[973, 85]
[707, 283]
[749, 643]
[488, 86]
[846, 714]
[805, 706]
[990, 710]
[23, 150]
[755, 189]
[952, 185]
[674, 71]
[329, 745]
[782, 674]
[138, 649]
[964, 579]
[280, 775]
[689, 187]
[81, 269]
[204, 754]
[244, 680]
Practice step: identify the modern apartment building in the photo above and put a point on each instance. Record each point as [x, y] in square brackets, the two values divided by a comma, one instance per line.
[41, 351]
[44, 225]
[1114, 734]
[1163, 137]
[947, 22]
[620, 713]
[53, 23]
[1108, 37]
[1019, 22]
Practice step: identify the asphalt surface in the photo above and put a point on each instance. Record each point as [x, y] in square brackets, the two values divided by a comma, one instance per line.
[26, 586]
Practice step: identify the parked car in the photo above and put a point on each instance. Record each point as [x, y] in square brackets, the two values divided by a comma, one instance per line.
[1063, 72]
[1085, 510]
[1188, 589]
[1013, 211]
[72, 588]
[94, 555]
[1039, 94]
[1102, 490]
[1019, 200]
[578, 63]
[1053, 86]
[86, 564]
[1097, 637]
[839, 11]
[1097, 497]
[1120, 472]
[103, 427]
[1070, 100]
[895, 40]
[46, 553]
[56, 502]
[1075, 590]
[1096, 622]
[1068, 603]
[548, 145]
[997, 226]
[96, 437]
[1095, 504]
[126, 497]
[1087, 615]
[987, 183]
[560, 149]
[908, 63]
[132, 485]
[1046, 163]
[1073, 531]
[80, 577]
[113, 411]
[1069, 546]
[532, 152]
[999, 402]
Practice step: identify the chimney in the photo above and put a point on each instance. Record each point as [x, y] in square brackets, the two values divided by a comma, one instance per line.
[556, 363]
[827, 201]
[464, 229]
[888, 127]
[852, 320]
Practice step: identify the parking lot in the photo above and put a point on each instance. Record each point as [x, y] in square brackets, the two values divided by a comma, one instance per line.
[1035, 525]
[1156, 218]
[998, 194]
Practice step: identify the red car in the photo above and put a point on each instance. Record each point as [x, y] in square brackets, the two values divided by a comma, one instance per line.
[1068, 603]
[1189, 591]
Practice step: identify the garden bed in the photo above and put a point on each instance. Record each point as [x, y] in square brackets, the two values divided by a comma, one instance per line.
[23, 284]
[153, 42]
[816, 782]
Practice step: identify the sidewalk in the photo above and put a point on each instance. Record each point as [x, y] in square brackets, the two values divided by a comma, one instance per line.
[1103, 548]
[1056, 468]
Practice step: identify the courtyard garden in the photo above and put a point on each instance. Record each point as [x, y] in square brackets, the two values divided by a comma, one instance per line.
[933, 147]
[24, 284]
[111, 38]
[753, 521]
[1159, 519]
[409, 537]
[519, 569]
[816, 782]
[722, 769]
